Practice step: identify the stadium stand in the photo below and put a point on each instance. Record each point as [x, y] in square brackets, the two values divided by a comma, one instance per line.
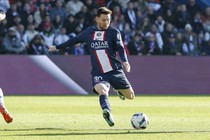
[148, 27]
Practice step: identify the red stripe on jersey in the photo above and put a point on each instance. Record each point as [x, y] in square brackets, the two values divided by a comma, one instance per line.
[98, 61]
[104, 37]
[126, 49]
[93, 35]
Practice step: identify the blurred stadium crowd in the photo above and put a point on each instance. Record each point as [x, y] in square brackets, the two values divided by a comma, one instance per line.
[148, 27]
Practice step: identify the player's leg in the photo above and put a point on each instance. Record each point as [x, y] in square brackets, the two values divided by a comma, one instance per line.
[128, 93]
[7, 117]
[121, 85]
[102, 90]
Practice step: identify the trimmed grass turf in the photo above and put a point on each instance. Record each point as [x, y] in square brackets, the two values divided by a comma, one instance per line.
[80, 118]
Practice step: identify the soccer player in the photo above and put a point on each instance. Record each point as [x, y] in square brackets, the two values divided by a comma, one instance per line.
[103, 43]
[7, 117]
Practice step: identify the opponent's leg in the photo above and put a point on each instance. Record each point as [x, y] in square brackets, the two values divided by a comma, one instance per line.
[103, 90]
[7, 117]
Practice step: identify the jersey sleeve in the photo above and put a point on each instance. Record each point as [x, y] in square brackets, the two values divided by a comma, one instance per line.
[120, 46]
[74, 40]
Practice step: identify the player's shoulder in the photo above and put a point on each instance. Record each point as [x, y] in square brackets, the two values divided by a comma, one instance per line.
[91, 28]
[115, 30]
[87, 31]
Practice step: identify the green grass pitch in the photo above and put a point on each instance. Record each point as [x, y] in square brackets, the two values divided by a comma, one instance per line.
[80, 118]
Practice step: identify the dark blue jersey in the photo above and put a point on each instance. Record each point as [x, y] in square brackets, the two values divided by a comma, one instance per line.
[103, 46]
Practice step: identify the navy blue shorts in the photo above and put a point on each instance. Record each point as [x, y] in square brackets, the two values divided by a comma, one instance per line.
[115, 78]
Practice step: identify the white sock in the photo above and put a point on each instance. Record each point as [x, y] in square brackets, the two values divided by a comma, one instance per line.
[1, 97]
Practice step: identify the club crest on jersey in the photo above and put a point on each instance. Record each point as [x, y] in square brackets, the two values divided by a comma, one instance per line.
[99, 35]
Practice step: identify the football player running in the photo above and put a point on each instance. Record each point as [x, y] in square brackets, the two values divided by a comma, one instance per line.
[7, 117]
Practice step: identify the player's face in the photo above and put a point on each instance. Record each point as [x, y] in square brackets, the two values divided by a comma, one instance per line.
[103, 21]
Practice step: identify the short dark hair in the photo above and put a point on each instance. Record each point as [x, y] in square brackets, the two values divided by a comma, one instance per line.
[103, 10]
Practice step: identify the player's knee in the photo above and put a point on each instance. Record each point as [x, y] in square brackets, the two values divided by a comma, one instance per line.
[101, 89]
[131, 95]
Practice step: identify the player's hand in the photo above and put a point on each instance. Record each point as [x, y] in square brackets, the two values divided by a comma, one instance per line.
[126, 66]
[52, 49]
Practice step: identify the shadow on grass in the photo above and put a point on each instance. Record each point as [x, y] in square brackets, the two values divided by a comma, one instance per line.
[75, 132]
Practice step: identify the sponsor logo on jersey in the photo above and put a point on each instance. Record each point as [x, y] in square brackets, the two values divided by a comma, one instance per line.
[100, 45]
[98, 40]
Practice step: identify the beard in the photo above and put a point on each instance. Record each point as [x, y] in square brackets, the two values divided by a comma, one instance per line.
[103, 27]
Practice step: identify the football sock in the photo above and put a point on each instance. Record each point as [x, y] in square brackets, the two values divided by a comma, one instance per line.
[104, 102]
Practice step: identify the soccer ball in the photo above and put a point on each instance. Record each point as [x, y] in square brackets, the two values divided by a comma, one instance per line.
[139, 121]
